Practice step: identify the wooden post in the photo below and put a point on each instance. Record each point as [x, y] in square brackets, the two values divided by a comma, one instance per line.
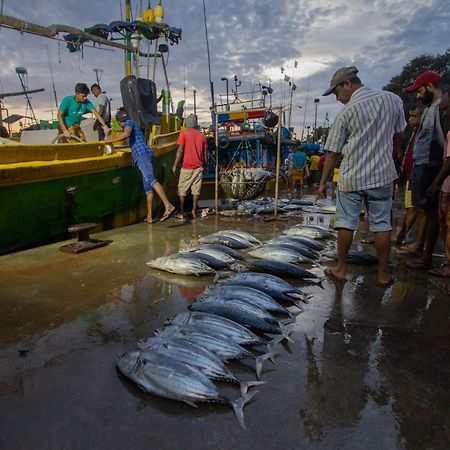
[277, 172]
[216, 143]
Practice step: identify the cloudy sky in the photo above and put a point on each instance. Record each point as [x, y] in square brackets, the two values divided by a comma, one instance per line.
[252, 40]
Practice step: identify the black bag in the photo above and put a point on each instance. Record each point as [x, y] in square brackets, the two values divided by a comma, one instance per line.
[139, 100]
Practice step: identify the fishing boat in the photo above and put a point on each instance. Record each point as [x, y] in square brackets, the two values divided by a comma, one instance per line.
[247, 136]
[46, 185]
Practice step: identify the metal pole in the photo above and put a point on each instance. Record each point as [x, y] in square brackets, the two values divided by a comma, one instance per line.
[277, 172]
[195, 103]
[216, 143]
[209, 57]
[316, 104]
[128, 38]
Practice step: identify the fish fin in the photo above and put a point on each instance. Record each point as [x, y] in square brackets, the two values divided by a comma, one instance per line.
[286, 333]
[285, 322]
[238, 407]
[259, 361]
[245, 385]
[189, 402]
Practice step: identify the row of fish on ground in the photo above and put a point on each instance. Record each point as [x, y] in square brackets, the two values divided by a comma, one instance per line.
[242, 318]
[220, 251]
[266, 205]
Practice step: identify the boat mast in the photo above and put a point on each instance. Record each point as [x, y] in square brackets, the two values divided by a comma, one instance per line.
[128, 39]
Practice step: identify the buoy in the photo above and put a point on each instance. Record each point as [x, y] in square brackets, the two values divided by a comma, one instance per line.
[159, 13]
[149, 15]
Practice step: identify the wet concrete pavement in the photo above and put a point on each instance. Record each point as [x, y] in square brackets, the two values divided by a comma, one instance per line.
[369, 368]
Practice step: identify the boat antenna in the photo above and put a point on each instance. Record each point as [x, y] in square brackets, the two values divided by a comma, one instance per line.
[53, 80]
[209, 57]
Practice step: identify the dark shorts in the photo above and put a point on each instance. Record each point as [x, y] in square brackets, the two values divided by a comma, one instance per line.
[421, 179]
[145, 165]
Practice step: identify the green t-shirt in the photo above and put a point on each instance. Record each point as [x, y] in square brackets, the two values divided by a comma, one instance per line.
[73, 111]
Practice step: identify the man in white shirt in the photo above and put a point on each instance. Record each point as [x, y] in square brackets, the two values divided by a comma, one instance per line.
[365, 133]
[103, 107]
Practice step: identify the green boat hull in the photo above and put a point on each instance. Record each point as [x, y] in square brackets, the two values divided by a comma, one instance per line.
[37, 213]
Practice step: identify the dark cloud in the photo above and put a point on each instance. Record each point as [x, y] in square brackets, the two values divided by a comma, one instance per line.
[252, 40]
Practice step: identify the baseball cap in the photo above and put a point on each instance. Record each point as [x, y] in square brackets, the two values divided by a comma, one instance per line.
[121, 115]
[341, 75]
[424, 78]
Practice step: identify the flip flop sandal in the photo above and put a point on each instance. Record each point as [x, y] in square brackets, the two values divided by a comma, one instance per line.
[167, 215]
[328, 272]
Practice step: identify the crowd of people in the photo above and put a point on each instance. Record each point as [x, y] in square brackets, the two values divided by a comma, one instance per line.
[366, 139]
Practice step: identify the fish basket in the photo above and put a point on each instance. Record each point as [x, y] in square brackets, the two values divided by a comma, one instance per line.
[244, 183]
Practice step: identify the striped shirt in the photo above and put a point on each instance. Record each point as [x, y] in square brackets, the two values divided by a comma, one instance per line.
[363, 134]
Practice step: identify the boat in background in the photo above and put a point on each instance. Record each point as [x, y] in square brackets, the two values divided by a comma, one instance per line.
[46, 186]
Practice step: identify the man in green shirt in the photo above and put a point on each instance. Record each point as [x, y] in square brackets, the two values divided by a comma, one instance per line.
[71, 111]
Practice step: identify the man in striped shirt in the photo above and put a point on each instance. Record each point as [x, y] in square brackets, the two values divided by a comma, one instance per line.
[365, 134]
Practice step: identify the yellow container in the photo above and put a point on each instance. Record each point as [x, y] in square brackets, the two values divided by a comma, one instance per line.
[159, 13]
[149, 15]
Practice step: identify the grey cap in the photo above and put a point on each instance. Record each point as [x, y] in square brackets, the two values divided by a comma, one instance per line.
[191, 121]
[340, 76]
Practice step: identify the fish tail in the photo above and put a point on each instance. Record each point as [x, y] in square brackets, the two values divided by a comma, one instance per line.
[259, 361]
[238, 407]
[246, 385]
[286, 333]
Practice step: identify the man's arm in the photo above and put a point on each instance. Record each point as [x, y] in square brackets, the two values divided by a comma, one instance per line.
[331, 160]
[124, 135]
[99, 118]
[397, 148]
[62, 124]
[180, 152]
[440, 177]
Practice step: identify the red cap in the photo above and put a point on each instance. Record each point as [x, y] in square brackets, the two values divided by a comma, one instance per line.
[424, 78]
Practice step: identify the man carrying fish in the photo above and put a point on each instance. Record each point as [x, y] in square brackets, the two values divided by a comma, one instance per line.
[365, 133]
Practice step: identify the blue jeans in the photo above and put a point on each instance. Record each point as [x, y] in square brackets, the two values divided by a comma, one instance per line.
[145, 165]
[378, 203]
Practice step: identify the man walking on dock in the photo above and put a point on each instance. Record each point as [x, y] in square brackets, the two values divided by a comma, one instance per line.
[366, 132]
[192, 145]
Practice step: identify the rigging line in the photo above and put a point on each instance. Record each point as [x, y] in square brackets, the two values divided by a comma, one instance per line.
[53, 80]
[209, 56]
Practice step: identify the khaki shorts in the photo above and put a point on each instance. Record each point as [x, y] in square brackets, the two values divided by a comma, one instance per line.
[190, 179]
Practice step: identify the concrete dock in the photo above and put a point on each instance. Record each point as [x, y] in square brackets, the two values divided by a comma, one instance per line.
[369, 368]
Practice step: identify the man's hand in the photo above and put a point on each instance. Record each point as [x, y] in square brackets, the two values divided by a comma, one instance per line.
[174, 169]
[432, 191]
[106, 130]
[322, 191]
[66, 133]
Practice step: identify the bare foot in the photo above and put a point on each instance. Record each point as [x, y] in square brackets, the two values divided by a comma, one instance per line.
[179, 216]
[420, 263]
[150, 220]
[384, 279]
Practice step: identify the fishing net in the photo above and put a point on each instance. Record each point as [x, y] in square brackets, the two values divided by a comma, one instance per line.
[244, 183]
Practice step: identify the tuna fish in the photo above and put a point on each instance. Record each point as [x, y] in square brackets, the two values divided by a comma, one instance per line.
[190, 354]
[309, 242]
[288, 243]
[277, 253]
[272, 285]
[219, 344]
[242, 234]
[219, 254]
[308, 231]
[279, 268]
[207, 259]
[248, 294]
[223, 248]
[229, 241]
[217, 324]
[237, 315]
[181, 266]
[167, 378]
